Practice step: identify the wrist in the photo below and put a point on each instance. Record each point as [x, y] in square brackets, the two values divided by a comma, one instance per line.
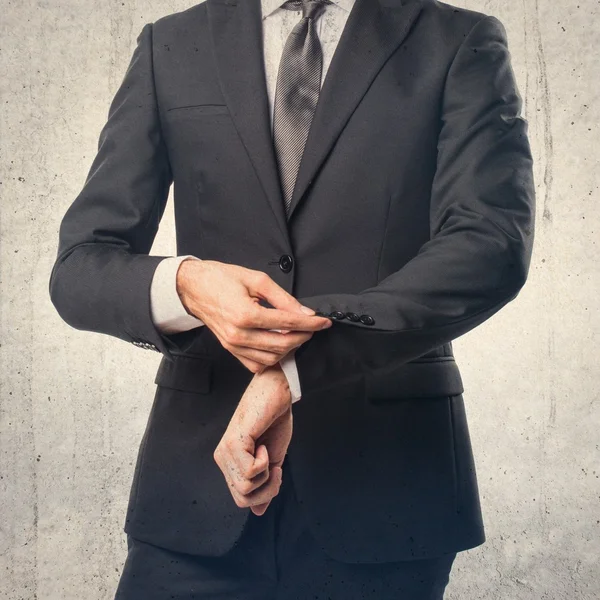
[187, 270]
[276, 377]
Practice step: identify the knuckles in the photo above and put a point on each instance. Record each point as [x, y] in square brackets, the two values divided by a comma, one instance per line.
[245, 487]
[261, 279]
[273, 360]
[230, 333]
[239, 502]
[243, 319]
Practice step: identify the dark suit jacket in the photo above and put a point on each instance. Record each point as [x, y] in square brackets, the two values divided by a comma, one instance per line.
[412, 223]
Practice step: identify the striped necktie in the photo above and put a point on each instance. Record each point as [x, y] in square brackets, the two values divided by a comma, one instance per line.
[296, 92]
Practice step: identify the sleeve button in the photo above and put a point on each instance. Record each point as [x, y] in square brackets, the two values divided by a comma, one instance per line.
[337, 315]
[352, 316]
[367, 319]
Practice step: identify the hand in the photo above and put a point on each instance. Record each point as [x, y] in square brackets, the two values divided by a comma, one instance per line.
[226, 298]
[261, 422]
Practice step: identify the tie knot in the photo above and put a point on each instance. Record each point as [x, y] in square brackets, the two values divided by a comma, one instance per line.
[310, 8]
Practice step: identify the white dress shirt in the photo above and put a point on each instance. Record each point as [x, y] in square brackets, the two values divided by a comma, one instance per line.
[168, 313]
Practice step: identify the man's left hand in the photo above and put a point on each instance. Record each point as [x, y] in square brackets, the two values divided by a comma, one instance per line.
[261, 424]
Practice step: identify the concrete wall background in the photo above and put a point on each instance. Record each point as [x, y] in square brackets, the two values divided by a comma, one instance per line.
[73, 404]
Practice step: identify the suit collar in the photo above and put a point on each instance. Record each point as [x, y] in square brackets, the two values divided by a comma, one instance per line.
[270, 6]
[373, 30]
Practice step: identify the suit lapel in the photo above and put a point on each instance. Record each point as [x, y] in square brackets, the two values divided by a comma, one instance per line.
[371, 34]
[374, 29]
[236, 32]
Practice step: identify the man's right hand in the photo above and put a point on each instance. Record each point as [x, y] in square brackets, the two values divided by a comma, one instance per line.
[226, 298]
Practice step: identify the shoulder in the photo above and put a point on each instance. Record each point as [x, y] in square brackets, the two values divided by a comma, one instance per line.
[181, 22]
[449, 15]
[449, 25]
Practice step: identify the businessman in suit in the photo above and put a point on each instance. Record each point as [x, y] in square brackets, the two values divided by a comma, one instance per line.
[364, 161]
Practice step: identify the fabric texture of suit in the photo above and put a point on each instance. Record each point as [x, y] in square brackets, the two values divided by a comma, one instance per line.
[168, 312]
[411, 224]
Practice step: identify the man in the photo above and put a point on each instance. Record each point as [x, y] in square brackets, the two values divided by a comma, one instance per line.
[393, 198]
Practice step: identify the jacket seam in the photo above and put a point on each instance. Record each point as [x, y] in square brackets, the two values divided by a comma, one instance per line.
[156, 208]
[383, 237]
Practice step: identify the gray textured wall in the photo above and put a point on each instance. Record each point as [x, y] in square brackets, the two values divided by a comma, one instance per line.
[74, 404]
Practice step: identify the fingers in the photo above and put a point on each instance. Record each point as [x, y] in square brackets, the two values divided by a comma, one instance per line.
[246, 470]
[251, 365]
[252, 491]
[288, 312]
[264, 357]
[260, 509]
[243, 328]
[263, 286]
[260, 356]
[270, 342]
[235, 456]
[264, 494]
[274, 318]
[245, 473]
[257, 348]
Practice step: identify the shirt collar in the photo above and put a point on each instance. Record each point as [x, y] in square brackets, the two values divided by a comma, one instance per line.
[269, 6]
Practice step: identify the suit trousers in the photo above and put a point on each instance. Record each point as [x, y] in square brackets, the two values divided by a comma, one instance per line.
[275, 558]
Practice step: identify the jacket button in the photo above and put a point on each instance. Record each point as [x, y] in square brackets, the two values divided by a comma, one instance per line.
[367, 319]
[286, 262]
[352, 316]
[337, 315]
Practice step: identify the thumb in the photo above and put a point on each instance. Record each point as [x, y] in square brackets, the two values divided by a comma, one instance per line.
[262, 457]
[273, 293]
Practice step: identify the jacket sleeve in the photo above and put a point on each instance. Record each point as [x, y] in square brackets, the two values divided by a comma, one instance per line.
[102, 274]
[481, 232]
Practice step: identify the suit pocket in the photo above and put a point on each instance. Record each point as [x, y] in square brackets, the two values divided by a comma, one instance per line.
[422, 378]
[186, 373]
[197, 109]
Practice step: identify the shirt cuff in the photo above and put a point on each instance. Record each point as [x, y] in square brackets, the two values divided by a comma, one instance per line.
[288, 366]
[168, 313]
